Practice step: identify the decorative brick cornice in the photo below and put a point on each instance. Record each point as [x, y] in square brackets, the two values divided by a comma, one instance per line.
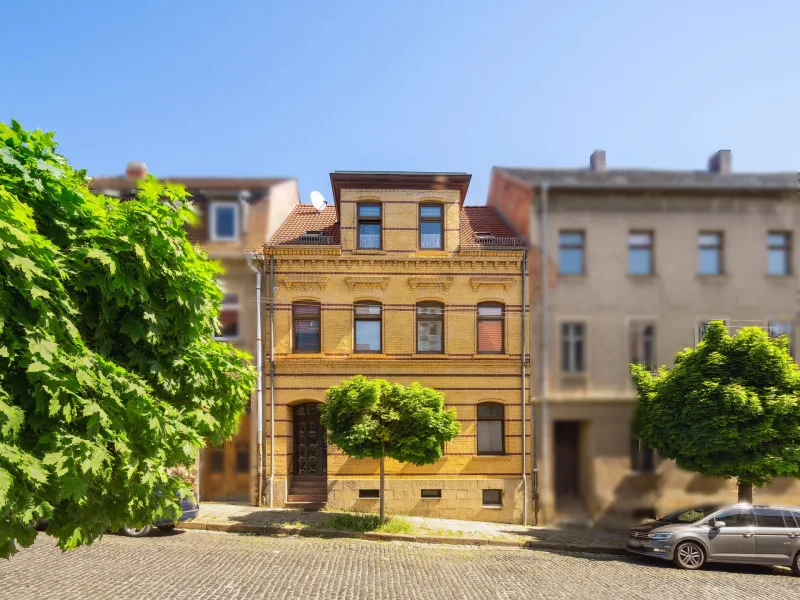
[367, 283]
[491, 283]
[431, 282]
[304, 282]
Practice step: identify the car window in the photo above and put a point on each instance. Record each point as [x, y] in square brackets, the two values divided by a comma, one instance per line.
[691, 515]
[769, 517]
[796, 514]
[736, 517]
[791, 519]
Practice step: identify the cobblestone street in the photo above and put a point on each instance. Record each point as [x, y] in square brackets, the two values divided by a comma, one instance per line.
[203, 565]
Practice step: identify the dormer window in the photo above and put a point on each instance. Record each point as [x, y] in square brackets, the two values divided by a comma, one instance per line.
[369, 226]
[483, 236]
[224, 221]
[431, 229]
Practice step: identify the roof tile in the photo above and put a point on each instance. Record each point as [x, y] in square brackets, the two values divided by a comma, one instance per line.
[305, 218]
[484, 219]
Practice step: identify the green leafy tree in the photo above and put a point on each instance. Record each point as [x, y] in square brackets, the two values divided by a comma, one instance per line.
[372, 418]
[109, 374]
[728, 408]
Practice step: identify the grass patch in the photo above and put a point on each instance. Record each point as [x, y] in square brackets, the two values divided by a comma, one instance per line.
[367, 522]
[296, 524]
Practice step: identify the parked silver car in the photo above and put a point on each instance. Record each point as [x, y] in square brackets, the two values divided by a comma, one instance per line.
[742, 533]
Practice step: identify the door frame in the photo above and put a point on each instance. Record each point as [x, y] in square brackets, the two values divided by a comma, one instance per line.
[322, 440]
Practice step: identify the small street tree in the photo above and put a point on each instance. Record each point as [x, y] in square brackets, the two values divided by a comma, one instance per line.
[728, 408]
[109, 373]
[372, 418]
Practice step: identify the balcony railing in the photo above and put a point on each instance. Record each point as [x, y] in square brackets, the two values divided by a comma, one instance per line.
[493, 240]
[323, 240]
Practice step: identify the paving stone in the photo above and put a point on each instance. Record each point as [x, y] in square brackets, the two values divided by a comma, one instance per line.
[202, 565]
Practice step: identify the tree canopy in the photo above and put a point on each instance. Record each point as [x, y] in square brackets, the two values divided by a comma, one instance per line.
[728, 408]
[372, 418]
[109, 373]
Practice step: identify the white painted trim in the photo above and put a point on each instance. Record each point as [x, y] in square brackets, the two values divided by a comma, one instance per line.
[212, 220]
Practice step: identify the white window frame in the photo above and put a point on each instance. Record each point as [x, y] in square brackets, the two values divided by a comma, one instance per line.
[237, 306]
[212, 207]
[571, 370]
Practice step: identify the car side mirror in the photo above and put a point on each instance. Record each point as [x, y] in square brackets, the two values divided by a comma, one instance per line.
[718, 524]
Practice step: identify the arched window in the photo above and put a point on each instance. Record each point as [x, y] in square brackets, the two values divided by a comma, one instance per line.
[491, 428]
[430, 327]
[491, 328]
[306, 317]
[367, 326]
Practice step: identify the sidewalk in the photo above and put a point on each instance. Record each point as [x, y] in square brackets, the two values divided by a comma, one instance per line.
[264, 521]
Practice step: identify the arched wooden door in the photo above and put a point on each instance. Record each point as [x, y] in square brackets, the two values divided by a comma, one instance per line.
[310, 451]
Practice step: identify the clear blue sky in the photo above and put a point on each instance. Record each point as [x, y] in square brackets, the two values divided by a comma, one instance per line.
[302, 88]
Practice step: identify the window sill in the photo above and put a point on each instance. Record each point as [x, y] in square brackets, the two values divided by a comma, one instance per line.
[430, 498]
[492, 507]
[572, 276]
[575, 376]
[432, 252]
[641, 276]
[712, 277]
[776, 277]
[375, 251]
[219, 239]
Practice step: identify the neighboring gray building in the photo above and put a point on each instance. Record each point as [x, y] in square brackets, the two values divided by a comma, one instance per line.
[637, 261]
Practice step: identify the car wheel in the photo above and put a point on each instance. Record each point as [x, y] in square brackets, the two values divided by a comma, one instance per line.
[135, 532]
[167, 527]
[689, 555]
[796, 564]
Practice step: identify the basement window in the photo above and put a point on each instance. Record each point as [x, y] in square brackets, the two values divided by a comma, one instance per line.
[369, 493]
[429, 494]
[493, 498]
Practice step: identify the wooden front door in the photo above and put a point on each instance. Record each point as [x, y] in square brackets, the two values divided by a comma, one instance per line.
[226, 469]
[310, 451]
[567, 458]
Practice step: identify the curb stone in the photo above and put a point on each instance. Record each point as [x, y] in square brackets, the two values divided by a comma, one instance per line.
[395, 537]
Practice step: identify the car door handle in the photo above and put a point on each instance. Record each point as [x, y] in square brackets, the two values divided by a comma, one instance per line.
[748, 534]
[793, 535]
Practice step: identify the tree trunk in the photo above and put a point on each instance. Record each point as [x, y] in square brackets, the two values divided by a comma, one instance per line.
[383, 517]
[745, 492]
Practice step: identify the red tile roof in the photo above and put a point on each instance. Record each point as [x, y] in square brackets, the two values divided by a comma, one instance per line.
[474, 219]
[305, 218]
[484, 219]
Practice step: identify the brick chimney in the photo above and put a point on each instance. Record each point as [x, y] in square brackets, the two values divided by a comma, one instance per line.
[136, 170]
[721, 162]
[597, 161]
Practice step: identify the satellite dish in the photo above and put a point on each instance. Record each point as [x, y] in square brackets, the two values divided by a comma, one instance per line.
[318, 200]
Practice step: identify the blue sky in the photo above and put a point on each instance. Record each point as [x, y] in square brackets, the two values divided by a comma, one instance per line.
[265, 88]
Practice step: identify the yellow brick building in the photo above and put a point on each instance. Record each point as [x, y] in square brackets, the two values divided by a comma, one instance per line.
[399, 280]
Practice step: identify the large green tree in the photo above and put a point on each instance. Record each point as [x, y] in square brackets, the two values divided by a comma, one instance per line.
[109, 373]
[372, 418]
[728, 408]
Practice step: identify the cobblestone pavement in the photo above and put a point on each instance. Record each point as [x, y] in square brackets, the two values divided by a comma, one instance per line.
[218, 513]
[204, 565]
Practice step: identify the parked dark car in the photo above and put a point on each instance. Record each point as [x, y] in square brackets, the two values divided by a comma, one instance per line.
[742, 533]
[190, 510]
